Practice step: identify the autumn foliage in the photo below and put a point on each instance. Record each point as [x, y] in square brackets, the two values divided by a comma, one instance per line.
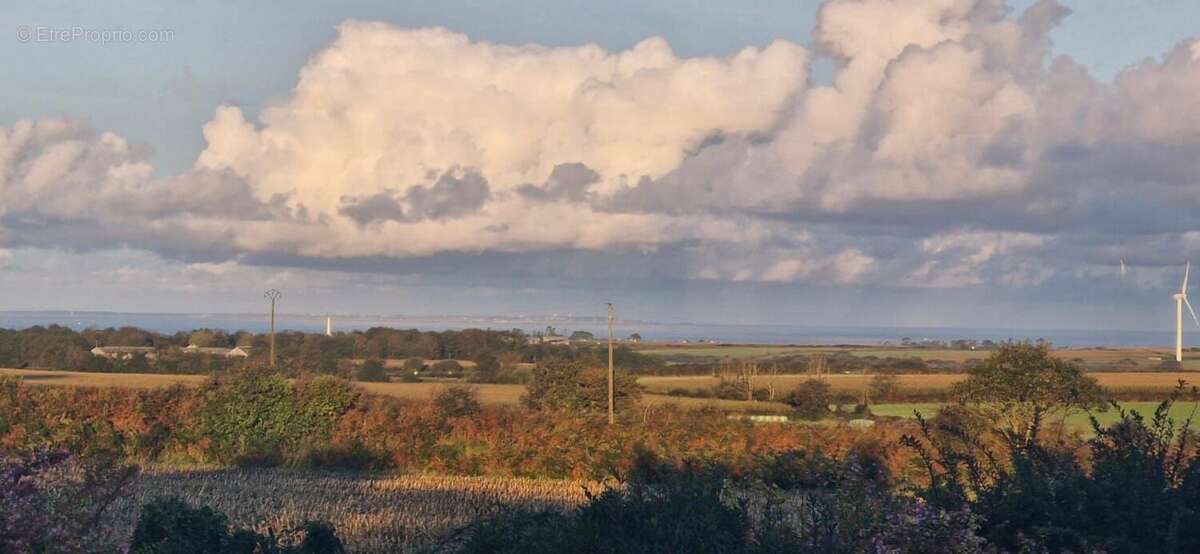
[259, 418]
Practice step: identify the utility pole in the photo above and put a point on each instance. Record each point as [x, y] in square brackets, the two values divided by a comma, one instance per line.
[611, 418]
[273, 295]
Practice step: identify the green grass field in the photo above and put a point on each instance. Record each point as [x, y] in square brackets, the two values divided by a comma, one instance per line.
[1180, 411]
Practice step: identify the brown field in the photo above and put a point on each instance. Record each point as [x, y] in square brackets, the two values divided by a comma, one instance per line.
[488, 394]
[89, 379]
[372, 514]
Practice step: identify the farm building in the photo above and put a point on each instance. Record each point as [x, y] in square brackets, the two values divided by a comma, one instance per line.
[123, 352]
[236, 352]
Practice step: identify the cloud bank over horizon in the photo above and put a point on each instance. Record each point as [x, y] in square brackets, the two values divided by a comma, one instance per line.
[949, 151]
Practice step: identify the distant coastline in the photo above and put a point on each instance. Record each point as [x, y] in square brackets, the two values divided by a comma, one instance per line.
[650, 330]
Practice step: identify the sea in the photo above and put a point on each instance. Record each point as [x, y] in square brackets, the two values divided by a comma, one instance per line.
[782, 334]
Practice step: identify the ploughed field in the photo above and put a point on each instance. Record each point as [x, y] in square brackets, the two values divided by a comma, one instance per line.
[371, 513]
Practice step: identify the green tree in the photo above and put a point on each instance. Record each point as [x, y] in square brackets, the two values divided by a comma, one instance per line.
[561, 384]
[1021, 384]
[811, 399]
[371, 371]
[487, 367]
[446, 368]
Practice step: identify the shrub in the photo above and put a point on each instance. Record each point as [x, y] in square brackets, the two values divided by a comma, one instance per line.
[172, 526]
[670, 511]
[1031, 496]
[249, 416]
[447, 368]
[811, 399]
[51, 501]
[457, 401]
[169, 526]
[321, 401]
[371, 371]
[728, 390]
[408, 377]
[514, 532]
[678, 512]
[487, 367]
[413, 364]
[258, 417]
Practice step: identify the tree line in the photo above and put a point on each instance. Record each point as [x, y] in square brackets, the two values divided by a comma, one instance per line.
[297, 353]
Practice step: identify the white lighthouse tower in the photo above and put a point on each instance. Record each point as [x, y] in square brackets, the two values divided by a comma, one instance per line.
[329, 326]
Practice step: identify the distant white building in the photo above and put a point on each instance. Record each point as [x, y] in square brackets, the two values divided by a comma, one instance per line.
[123, 352]
[236, 352]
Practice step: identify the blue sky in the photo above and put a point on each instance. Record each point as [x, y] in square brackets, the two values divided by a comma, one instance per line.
[809, 240]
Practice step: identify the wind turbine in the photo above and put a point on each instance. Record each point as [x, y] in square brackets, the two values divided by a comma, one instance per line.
[1180, 300]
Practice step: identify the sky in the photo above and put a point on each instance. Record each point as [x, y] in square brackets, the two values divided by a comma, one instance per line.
[974, 163]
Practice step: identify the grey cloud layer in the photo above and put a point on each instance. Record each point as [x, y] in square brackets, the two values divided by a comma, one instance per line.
[950, 151]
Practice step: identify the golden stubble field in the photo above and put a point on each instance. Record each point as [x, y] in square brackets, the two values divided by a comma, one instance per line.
[371, 513]
[488, 394]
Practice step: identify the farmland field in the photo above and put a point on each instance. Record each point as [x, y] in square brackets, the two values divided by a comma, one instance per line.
[924, 381]
[1180, 411]
[655, 387]
[1090, 358]
[372, 514]
[494, 394]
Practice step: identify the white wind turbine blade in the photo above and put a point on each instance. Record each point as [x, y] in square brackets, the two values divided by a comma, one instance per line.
[1186, 269]
[1189, 305]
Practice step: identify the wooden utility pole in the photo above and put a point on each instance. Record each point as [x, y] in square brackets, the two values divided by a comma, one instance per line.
[273, 295]
[611, 375]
